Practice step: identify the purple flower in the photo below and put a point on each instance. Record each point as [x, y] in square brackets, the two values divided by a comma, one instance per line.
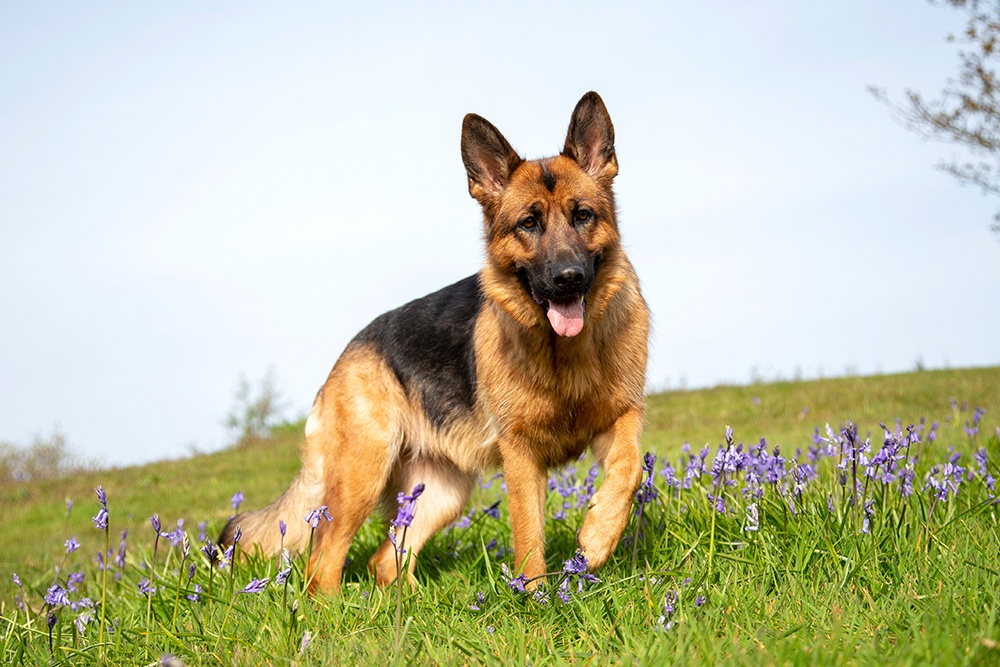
[972, 429]
[176, 536]
[81, 622]
[145, 587]
[120, 557]
[102, 497]
[479, 602]
[72, 545]
[493, 510]
[407, 506]
[202, 527]
[17, 580]
[577, 564]
[256, 586]
[578, 567]
[718, 502]
[665, 622]
[306, 638]
[155, 522]
[517, 583]
[563, 592]
[195, 595]
[315, 515]
[648, 462]
[981, 460]
[101, 520]
[700, 600]
[282, 527]
[237, 500]
[191, 571]
[211, 552]
[56, 596]
[281, 576]
[647, 492]
[50, 620]
[869, 513]
[74, 580]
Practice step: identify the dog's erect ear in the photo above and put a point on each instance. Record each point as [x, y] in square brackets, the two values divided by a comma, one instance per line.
[489, 159]
[591, 138]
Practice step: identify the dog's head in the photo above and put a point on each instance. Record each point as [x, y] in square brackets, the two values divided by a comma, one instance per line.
[549, 222]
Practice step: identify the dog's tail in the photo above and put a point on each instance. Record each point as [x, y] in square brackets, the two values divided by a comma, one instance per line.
[263, 527]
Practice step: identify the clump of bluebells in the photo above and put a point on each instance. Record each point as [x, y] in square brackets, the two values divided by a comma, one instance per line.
[855, 477]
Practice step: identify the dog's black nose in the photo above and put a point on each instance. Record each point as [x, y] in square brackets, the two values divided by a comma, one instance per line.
[568, 277]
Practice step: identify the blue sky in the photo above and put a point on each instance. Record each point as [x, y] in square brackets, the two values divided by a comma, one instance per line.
[190, 192]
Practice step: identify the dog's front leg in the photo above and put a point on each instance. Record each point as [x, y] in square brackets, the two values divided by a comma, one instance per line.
[525, 478]
[617, 450]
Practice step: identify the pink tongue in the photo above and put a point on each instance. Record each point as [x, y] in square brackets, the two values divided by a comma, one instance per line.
[566, 318]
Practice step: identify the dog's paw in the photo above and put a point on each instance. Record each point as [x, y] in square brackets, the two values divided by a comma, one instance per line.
[595, 546]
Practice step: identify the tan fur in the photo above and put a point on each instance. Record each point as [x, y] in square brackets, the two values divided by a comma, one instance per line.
[540, 399]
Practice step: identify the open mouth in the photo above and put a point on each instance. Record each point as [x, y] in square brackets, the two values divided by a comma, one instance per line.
[565, 313]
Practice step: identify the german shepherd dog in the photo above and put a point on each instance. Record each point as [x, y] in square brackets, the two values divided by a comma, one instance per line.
[521, 366]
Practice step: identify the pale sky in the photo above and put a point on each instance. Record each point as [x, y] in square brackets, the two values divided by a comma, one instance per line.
[194, 191]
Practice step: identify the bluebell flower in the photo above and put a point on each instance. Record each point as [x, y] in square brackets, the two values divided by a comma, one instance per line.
[306, 638]
[869, 513]
[56, 596]
[146, 587]
[517, 583]
[407, 506]
[211, 551]
[665, 622]
[74, 580]
[315, 515]
[120, 556]
[493, 510]
[72, 545]
[237, 500]
[255, 586]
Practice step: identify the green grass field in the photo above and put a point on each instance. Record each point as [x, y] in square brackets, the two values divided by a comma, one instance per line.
[770, 561]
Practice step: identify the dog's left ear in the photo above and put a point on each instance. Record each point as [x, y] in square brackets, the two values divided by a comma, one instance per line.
[591, 138]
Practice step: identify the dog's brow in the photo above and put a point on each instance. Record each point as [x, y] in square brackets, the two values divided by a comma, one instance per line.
[548, 178]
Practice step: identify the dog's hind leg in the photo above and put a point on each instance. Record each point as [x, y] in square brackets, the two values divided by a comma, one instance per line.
[360, 437]
[446, 491]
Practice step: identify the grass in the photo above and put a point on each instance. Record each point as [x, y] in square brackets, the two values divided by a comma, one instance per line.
[922, 586]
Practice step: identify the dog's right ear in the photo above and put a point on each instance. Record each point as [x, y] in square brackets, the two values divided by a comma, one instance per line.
[489, 159]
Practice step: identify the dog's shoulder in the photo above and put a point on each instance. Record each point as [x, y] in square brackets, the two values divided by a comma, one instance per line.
[428, 344]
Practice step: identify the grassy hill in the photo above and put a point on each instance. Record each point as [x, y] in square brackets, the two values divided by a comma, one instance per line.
[36, 521]
[780, 565]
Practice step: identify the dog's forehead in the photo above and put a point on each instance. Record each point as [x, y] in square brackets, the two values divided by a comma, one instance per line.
[558, 177]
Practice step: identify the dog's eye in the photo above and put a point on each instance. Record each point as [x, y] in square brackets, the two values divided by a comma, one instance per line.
[528, 223]
[583, 216]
